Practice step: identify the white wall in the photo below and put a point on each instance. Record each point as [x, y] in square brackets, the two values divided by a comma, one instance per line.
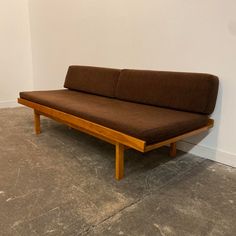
[178, 35]
[15, 51]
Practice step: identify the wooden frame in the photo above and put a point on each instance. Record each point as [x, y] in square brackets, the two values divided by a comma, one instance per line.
[120, 140]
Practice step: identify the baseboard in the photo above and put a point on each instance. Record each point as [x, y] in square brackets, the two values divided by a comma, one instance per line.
[208, 153]
[9, 103]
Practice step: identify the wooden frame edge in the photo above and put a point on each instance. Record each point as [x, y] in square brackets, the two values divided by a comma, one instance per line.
[209, 125]
[99, 131]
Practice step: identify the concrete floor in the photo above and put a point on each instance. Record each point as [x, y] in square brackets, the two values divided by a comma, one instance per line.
[61, 183]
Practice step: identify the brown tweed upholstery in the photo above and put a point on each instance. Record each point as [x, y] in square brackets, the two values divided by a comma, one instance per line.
[96, 80]
[192, 92]
[149, 123]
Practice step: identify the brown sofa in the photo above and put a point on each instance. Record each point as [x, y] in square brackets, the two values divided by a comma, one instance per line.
[135, 109]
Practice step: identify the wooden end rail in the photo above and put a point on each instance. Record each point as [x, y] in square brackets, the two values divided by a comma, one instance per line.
[120, 140]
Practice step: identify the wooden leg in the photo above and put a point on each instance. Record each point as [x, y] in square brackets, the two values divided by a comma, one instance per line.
[37, 122]
[119, 161]
[173, 150]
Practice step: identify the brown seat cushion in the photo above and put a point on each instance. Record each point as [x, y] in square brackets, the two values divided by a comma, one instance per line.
[194, 92]
[149, 123]
[95, 80]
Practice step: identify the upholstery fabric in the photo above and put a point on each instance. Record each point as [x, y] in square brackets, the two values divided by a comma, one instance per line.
[149, 123]
[193, 92]
[95, 80]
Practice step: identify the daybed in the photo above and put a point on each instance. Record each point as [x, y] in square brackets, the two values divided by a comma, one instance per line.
[137, 109]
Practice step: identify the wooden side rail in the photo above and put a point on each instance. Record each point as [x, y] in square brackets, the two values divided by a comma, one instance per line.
[86, 126]
[171, 141]
[120, 140]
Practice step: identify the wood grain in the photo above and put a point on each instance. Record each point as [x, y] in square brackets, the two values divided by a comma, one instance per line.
[119, 161]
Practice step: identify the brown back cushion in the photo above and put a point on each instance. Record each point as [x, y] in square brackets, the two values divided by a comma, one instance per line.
[193, 92]
[95, 80]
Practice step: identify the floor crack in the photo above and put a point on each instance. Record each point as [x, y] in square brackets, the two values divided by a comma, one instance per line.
[170, 182]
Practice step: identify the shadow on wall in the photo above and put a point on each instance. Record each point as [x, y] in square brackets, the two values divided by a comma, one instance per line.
[207, 142]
